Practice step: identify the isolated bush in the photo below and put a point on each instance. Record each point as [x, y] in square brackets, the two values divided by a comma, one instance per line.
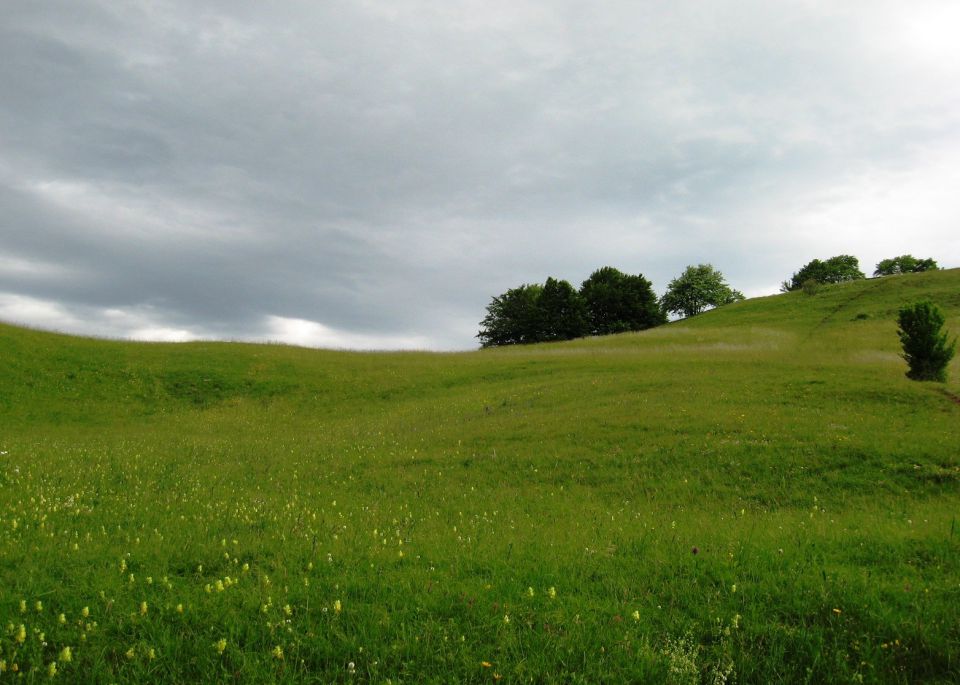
[811, 286]
[925, 348]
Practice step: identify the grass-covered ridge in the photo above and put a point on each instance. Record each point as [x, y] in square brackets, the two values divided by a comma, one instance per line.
[527, 514]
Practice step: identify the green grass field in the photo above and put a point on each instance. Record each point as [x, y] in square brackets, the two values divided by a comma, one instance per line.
[755, 495]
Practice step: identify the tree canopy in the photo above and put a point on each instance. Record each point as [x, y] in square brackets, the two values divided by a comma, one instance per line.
[563, 314]
[696, 289]
[512, 318]
[609, 301]
[618, 302]
[834, 270]
[904, 264]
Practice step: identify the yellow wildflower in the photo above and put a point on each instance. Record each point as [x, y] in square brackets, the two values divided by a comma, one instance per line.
[552, 592]
[179, 608]
[337, 607]
[23, 606]
[66, 655]
[85, 612]
[52, 669]
[62, 619]
[21, 633]
[278, 652]
[636, 615]
[221, 645]
[39, 606]
[143, 608]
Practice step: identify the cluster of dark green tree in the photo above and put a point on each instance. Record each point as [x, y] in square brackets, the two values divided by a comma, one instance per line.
[610, 301]
[834, 270]
[847, 268]
[904, 264]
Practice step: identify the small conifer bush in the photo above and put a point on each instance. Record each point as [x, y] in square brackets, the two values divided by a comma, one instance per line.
[925, 348]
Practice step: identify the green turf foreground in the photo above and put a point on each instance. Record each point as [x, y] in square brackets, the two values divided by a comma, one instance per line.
[756, 495]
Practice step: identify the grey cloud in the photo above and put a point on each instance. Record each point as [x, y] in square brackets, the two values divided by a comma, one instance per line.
[383, 169]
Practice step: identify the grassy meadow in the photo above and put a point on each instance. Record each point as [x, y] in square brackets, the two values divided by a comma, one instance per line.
[755, 495]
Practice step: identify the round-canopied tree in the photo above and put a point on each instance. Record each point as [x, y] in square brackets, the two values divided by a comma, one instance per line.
[904, 264]
[563, 314]
[696, 289]
[618, 302]
[837, 269]
[512, 318]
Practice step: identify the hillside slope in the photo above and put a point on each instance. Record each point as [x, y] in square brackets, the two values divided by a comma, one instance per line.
[760, 484]
[54, 377]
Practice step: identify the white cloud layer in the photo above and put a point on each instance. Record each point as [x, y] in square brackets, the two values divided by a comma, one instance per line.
[366, 174]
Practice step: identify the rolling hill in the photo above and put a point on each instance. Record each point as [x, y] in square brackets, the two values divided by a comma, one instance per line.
[756, 494]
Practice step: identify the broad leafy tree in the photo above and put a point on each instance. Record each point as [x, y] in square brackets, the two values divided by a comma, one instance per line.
[904, 264]
[696, 289]
[512, 318]
[563, 314]
[834, 270]
[618, 302]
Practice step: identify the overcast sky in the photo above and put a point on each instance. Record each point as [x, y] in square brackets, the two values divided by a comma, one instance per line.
[369, 174]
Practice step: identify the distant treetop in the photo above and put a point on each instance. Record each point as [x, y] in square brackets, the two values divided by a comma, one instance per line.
[834, 270]
[696, 289]
[610, 301]
[904, 264]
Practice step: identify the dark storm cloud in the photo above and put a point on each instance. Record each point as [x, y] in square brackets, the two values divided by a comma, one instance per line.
[369, 174]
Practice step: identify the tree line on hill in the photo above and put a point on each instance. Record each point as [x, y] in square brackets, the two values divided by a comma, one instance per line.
[611, 301]
[844, 268]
